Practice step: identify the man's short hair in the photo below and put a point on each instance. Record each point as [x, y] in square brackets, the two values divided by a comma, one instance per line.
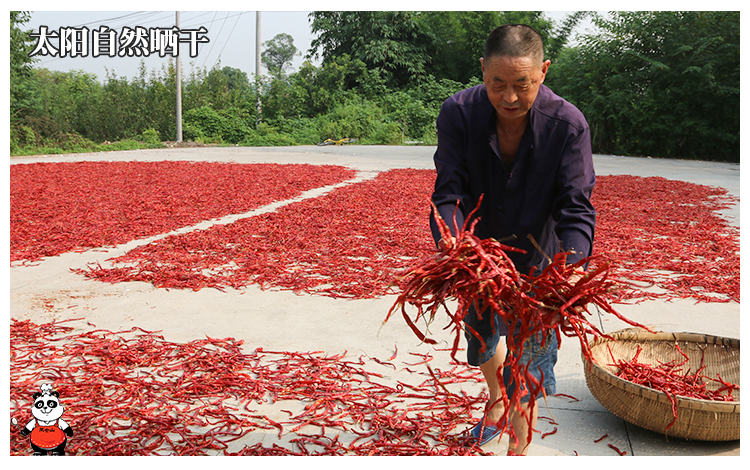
[515, 40]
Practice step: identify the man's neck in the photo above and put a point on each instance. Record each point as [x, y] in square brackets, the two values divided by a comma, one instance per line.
[512, 128]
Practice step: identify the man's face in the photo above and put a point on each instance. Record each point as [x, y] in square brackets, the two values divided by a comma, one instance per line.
[512, 84]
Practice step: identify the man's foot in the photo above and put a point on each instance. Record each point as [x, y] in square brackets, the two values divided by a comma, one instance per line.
[485, 432]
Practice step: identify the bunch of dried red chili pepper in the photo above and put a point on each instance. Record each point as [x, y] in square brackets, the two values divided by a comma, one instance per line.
[478, 271]
[135, 393]
[671, 379]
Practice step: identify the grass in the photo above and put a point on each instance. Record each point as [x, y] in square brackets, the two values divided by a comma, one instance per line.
[82, 147]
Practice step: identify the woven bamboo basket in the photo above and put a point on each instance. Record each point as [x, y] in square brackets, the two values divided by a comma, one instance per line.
[704, 420]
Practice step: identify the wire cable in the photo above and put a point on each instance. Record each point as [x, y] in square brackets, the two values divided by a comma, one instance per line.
[214, 42]
[227, 41]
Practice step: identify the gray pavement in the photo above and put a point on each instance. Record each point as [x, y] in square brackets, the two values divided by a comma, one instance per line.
[339, 325]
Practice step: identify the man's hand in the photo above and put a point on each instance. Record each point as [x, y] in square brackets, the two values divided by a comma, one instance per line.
[444, 245]
[577, 275]
[572, 280]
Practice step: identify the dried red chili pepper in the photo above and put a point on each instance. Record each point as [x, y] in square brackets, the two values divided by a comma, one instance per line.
[134, 393]
[479, 272]
[621, 452]
[665, 226]
[340, 244]
[116, 202]
[668, 226]
[566, 396]
[672, 380]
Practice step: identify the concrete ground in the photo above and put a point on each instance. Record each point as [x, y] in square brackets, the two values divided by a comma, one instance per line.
[355, 325]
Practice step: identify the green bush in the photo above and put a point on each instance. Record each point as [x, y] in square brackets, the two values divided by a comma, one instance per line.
[304, 131]
[412, 115]
[192, 132]
[203, 122]
[127, 144]
[208, 125]
[150, 136]
[385, 133]
[22, 137]
[266, 136]
[356, 119]
[429, 137]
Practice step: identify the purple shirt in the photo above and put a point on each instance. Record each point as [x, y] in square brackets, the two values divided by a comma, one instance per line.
[545, 193]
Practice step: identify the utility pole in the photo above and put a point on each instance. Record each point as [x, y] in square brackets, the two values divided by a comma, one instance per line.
[257, 66]
[178, 77]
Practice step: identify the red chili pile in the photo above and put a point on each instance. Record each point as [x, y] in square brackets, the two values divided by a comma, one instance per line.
[135, 393]
[479, 272]
[669, 233]
[348, 243]
[671, 379]
[61, 207]
[351, 242]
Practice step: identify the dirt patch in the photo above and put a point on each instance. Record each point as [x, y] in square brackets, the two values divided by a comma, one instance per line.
[186, 144]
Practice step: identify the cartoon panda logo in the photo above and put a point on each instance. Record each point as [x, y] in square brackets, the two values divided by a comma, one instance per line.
[47, 431]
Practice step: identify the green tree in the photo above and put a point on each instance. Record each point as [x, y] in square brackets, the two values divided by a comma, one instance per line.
[460, 37]
[395, 42]
[412, 46]
[278, 54]
[236, 79]
[459, 42]
[314, 90]
[664, 84]
[558, 40]
[23, 90]
[20, 44]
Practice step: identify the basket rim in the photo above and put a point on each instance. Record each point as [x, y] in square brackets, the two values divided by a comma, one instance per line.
[638, 334]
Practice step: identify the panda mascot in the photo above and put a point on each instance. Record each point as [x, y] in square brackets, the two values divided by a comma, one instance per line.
[47, 431]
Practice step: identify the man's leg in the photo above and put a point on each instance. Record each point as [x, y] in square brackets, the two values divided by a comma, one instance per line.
[520, 424]
[490, 370]
[541, 361]
[485, 350]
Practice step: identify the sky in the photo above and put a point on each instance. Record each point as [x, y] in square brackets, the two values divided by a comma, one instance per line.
[231, 35]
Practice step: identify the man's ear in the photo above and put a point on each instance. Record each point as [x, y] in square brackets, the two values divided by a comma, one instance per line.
[545, 67]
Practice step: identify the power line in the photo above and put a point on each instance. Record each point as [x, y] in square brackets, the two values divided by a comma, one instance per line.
[132, 18]
[161, 19]
[212, 21]
[225, 18]
[214, 42]
[203, 14]
[227, 41]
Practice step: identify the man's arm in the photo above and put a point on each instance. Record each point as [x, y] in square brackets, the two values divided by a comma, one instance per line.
[572, 209]
[452, 176]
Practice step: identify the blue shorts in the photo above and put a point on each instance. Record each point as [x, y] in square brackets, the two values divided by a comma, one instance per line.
[541, 359]
[484, 328]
